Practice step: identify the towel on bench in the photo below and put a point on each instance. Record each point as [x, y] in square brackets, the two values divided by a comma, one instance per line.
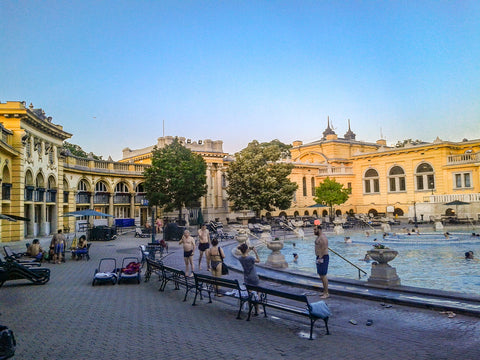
[320, 309]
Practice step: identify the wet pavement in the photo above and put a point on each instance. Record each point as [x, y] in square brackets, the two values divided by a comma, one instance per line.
[67, 318]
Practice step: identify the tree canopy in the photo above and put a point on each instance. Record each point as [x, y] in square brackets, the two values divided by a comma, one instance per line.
[76, 150]
[330, 192]
[177, 177]
[257, 181]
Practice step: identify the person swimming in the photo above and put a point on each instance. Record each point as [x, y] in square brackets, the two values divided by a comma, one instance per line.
[295, 257]
[348, 240]
[469, 255]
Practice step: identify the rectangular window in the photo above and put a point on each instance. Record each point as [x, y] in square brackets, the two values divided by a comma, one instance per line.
[419, 182]
[376, 185]
[392, 185]
[458, 180]
[402, 184]
[430, 182]
[462, 180]
[367, 186]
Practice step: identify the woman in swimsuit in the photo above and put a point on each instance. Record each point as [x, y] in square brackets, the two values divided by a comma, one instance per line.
[214, 258]
[203, 245]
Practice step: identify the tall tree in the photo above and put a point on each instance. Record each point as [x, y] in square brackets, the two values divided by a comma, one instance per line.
[257, 181]
[331, 193]
[176, 178]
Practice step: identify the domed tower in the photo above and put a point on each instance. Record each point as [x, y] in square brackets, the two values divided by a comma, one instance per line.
[349, 135]
[328, 130]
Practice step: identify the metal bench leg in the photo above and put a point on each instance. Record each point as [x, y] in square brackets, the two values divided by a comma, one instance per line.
[326, 325]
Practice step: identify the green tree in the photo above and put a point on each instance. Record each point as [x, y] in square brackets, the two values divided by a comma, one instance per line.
[177, 177]
[258, 181]
[76, 150]
[331, 193]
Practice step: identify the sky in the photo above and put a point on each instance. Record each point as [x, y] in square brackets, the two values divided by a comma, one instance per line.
[120, 74]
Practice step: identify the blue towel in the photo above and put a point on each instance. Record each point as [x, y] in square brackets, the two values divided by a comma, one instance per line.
[320, 309]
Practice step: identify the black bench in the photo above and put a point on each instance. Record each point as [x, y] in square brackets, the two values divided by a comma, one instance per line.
[178, 277]
[276, 299]
[155, 267]
[210, 284]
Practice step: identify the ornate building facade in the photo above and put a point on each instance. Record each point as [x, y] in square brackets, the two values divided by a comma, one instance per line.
[41, 182]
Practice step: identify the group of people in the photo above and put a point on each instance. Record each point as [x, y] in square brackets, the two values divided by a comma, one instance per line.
[214, 256]
[56, 251]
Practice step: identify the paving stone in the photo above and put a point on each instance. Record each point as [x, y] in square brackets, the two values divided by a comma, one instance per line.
[67, 318]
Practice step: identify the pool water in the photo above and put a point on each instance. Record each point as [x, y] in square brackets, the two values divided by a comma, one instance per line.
[426, 261]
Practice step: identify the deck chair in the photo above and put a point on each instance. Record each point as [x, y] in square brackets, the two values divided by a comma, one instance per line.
[82, 253]
[106, 272]
[12, 270]
[130, 270]
[17, 257]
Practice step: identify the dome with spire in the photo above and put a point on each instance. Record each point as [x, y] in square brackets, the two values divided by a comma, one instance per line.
[349, 135]
[328, 130]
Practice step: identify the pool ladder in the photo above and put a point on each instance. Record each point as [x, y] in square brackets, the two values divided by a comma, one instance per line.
[360, 270]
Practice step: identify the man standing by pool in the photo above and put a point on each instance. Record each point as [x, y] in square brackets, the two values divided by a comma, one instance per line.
[321, 252]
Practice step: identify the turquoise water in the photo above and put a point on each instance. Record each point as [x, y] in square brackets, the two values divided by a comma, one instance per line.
[427, 260]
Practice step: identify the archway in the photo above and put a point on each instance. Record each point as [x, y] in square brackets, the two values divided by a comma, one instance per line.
[398, 212]
[372, 212]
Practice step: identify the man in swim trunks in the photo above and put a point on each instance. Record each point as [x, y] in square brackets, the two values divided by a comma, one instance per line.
[203, 244]
[321, 252]
[188, 243]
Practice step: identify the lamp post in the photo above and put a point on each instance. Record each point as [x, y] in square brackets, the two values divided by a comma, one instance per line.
[415, 214]
[153, 225]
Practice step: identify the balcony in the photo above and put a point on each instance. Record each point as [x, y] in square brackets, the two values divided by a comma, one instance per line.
[82, 198]
[101, 198]
[442, 199]
[51, 196]
[336, 171]
[6, 190]
[121, 199]
[470, 158]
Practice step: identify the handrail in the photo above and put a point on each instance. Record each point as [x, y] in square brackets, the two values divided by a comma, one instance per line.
[358, 268]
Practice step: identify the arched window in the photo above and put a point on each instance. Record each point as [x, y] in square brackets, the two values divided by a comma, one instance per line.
[425, 177]
[82, 185]
[371, 182]
[100, 187]
[396, 179]
[313, 186]
[304, 186]
[121, 187]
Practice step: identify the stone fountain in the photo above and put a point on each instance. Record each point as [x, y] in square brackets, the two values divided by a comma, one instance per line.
[276, 259]
[383, 275]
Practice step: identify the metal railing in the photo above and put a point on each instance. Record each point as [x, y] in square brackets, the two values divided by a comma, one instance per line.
[360, 270]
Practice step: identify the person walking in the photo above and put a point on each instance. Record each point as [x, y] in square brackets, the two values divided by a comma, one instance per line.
[188, 243]
[321, 253]
[57, 246]
[215, 256]
[248, 262]
[203, 245]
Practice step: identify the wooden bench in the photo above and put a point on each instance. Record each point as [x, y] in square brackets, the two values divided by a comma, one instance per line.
[155, 267]
[285, 301]
[210, 284]
[178, 277]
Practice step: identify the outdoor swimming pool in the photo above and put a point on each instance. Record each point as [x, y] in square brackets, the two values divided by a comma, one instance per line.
[427, 261]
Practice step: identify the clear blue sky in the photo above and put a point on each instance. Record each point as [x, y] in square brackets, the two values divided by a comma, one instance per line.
[111, 72]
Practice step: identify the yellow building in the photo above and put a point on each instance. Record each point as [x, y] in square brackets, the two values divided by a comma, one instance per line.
[41, 181]
[404, 181]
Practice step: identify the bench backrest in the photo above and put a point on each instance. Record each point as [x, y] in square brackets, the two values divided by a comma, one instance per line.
[153, 263]
[229, 283]
[274, 292]
[176, 272]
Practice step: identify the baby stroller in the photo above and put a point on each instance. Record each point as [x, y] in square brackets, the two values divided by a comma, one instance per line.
[106, 272]
[130, 269]
[139, 233]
